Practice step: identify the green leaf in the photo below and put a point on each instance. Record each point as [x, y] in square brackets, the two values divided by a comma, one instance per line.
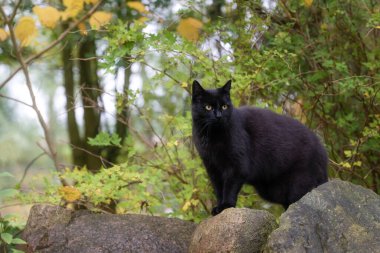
[18, 241]
[105, 139]
[6, 174]
[115, 140]
[16, 251]
[6, 237]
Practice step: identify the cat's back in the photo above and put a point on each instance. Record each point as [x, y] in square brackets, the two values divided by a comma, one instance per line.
[264, 119]
[268, 127]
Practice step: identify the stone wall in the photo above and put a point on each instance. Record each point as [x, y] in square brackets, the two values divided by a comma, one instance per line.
[335, 217]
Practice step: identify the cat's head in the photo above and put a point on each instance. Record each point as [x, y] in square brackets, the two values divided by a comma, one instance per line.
[212, 105]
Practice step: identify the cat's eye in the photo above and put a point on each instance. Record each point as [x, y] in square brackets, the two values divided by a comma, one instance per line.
[208, 107]
[224, 107]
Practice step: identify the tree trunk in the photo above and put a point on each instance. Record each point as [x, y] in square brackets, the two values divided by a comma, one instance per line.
[78, 156]
[90, 92]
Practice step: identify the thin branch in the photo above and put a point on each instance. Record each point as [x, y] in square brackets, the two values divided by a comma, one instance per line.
[165, 73]
[28, 167]
[51, 45]
[14, 11]
[86, 59]
[103, 160]
[155, 133]
[161, 71]
[16, 100]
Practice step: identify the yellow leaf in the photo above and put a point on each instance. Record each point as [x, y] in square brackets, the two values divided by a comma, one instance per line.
[308, 3]
[186, 206]
[69, 193]
[345, 165]
[324, 26]
[48, 16]
[142, 20]
[194, 202]
[73, 3]
[377, 27]
[348, 153]
[25, 30]
[73, 7]
[138, 6]
[184, 85]
[91, 1]
[99, 19]
[189, 28]
[120, 210]
[3, 34]
[70, 206]
[82, 29]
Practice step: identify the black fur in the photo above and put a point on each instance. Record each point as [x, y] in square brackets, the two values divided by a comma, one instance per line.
[276, 154]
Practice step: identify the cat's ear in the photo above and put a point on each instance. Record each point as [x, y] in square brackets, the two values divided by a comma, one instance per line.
[227, 87]
[197, 88]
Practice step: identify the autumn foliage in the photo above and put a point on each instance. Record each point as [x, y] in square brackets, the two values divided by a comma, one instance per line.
[26, 30]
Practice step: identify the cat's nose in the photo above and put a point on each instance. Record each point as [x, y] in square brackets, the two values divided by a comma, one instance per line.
[218, 115]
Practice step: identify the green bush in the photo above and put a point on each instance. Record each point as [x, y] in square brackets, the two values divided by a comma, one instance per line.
[10, 228]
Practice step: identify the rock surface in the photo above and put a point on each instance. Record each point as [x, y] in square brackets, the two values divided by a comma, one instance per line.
[55, 229]
[234, 230]
[335, 217]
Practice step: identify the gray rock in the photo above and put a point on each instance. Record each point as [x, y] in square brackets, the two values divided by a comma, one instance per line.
[233, 230]
[335, 217]
[55, 229]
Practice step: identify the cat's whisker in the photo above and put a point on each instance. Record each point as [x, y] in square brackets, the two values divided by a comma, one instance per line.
[205, 125]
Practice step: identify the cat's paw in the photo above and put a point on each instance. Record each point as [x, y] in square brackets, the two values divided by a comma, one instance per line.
[215, 210]
[218, 209]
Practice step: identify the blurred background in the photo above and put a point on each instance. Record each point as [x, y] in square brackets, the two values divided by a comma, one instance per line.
[99, 116]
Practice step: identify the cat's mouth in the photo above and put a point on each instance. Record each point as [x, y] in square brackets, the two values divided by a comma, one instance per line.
[218, 122]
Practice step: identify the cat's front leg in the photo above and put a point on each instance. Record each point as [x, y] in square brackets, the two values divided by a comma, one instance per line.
[217, 183]
[231, 189]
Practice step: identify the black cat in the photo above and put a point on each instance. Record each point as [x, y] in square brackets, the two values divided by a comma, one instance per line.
[276, 154]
